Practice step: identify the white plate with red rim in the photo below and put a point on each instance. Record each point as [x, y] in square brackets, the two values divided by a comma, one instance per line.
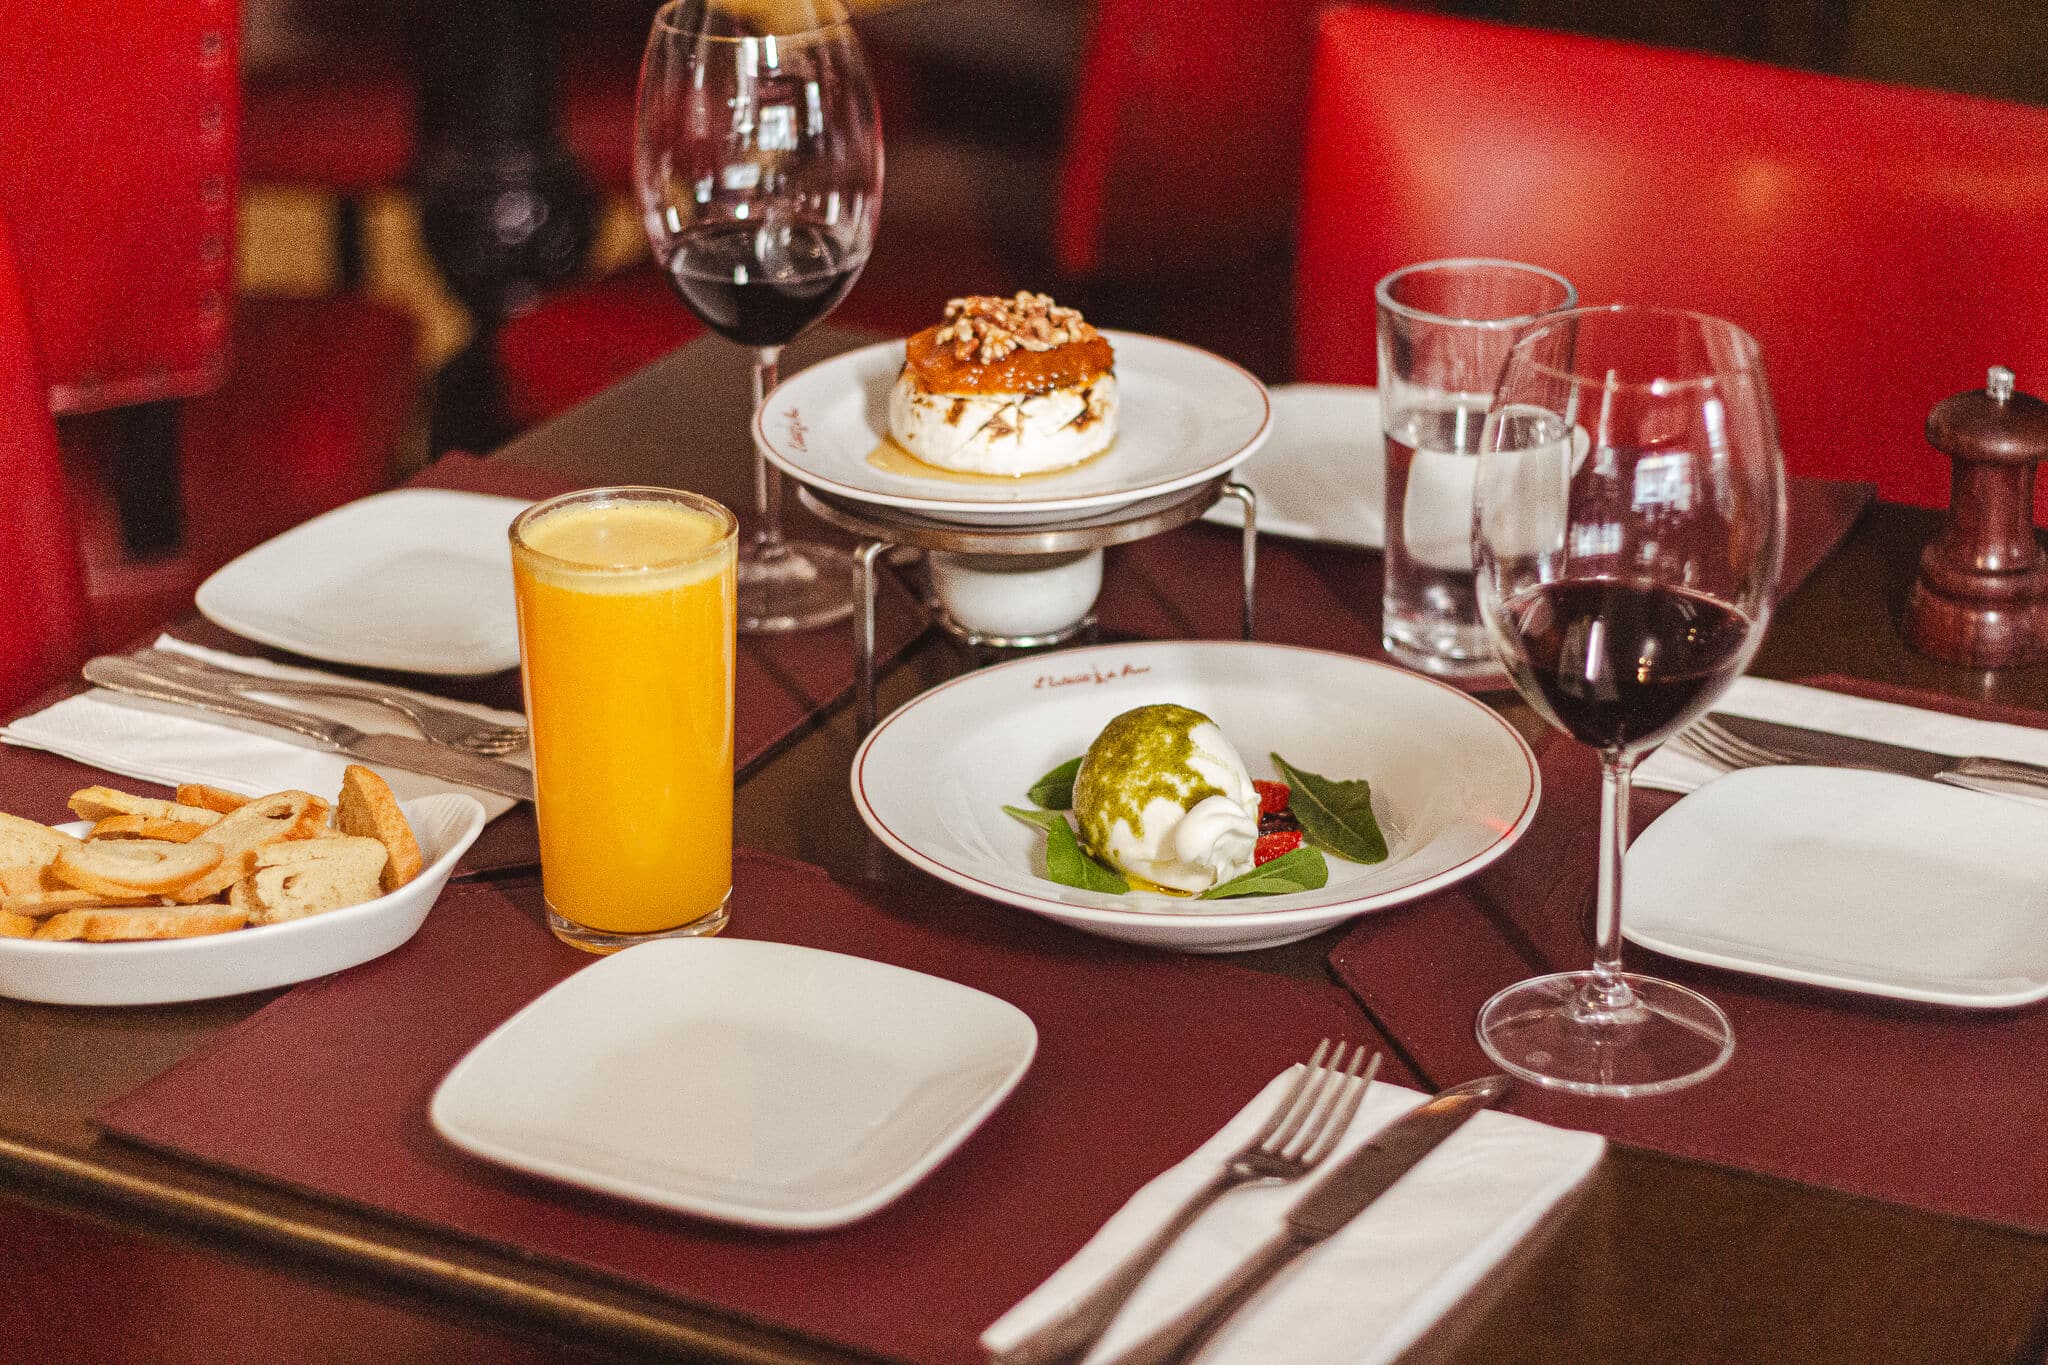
[1454, 785]
[1185, 416]
[757, 1083]
[169, 971]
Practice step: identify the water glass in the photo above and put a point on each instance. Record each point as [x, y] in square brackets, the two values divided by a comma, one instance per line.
[1445, 327]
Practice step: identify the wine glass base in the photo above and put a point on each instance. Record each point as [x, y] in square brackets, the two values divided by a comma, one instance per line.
[1551, 1031]
[798, 585]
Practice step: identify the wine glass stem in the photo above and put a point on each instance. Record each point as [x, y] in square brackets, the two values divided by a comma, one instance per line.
[767, 479]
[1608, 991]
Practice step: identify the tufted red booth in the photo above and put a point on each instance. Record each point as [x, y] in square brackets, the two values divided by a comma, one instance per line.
[42, 611]
[1885, 245]
[117, 174]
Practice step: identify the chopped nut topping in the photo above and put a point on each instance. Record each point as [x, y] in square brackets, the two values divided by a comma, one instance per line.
[986, 328]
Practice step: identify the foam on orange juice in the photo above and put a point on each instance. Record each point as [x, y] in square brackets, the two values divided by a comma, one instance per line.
[629, 691]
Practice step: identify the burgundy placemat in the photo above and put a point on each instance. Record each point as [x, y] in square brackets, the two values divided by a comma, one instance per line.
[781, 682]
[1141, 1056]
[1942, 1109]
[1185, 584]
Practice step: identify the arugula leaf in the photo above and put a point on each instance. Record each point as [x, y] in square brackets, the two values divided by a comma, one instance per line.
[1055, 791]
[1301, 870]
[1335, 815]
[1065, 862]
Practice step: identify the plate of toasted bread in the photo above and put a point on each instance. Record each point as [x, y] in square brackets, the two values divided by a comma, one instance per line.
[149, 901]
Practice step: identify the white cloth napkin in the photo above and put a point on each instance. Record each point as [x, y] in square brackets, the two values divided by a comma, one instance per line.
[1675, 768]
[1364, 1295]
[159, 742]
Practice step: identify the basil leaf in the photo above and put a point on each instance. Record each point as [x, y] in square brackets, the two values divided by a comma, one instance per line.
[1301, 870]
[1335, 815]
[1065, 862]
[1044, 819]
[1055, 791]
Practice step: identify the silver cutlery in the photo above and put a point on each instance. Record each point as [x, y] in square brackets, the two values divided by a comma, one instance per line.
[1730, 741]
[1302, 1130]
[441, 724]
[120, 674]
[1328, 1205]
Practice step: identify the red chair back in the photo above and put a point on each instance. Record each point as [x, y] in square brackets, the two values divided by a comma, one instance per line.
[1884, 245]
[42, 608]
[1183, 146]
[117, 170]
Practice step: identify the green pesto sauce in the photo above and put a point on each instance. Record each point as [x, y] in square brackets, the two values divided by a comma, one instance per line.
[1140, 755]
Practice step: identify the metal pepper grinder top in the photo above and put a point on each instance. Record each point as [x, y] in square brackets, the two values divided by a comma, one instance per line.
[1982, 595]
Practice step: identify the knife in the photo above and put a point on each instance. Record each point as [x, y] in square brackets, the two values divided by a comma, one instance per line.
[1998, 776]
[1335, 1200]
[119, 674]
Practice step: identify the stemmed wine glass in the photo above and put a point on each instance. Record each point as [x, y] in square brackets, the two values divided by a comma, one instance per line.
[758, 159]
[1629, 521]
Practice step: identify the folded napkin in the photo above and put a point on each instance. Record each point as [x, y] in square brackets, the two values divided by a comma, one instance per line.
[161, 742]
[1364, 1295]
[1677, 769]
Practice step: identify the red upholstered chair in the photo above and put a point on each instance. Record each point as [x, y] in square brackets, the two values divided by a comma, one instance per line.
[1883, 244]
[42, 610]
[117, 171]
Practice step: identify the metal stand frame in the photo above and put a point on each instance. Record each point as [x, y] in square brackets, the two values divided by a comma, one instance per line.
[883, 528]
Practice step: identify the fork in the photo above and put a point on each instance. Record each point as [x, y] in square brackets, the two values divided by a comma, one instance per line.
[1299, 1134]
[439, 724]
[1717, 744]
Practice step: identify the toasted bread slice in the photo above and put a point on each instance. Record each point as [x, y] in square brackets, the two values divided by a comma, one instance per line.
[143, 922]
[148, 827]
[210, 798]
[38, 904]
[24, 843]
[16, 926]
[368, 808]
[97, 803]
[265, 820]
[309, 877]
[22, 880]
[119, 867]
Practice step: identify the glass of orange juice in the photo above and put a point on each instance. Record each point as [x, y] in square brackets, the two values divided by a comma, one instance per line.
[626, 614]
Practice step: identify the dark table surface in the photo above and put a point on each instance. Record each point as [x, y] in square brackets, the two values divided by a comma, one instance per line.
[1655, 1258]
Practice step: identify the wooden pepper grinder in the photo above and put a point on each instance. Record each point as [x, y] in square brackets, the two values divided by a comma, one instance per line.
[1982, 595]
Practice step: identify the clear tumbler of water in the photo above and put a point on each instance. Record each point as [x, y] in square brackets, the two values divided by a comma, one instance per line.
[1445, 328]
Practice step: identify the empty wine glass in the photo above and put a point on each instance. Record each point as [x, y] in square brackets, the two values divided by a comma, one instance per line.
[758, 160]
[1629, 522]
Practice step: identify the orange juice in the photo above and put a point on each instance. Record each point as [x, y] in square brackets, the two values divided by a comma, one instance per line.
[626, 617]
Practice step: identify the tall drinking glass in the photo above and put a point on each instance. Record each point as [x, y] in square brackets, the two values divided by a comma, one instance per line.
[1444, 329]
[758, 160]
[626, 645]
[1629, 518]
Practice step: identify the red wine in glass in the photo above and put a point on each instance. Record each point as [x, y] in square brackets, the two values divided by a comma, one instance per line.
[757, 284]
[1629, 511]
[1621, 665]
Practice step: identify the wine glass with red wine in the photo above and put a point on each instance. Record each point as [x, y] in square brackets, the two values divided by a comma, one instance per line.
[1629, 512]
[758, 160]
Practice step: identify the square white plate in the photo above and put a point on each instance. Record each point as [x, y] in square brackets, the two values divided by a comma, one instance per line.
[1322, 473]
[418, 579]
[1858, 881]
[754, 1083]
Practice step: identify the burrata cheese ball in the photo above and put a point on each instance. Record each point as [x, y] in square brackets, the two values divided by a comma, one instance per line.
[1162, 796]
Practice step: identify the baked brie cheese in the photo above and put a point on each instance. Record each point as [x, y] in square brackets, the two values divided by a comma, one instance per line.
[1005, 386]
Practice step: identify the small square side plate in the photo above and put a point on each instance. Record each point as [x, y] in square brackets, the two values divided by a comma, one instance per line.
[418, 579]
[754, 1083]
[1858, 881]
